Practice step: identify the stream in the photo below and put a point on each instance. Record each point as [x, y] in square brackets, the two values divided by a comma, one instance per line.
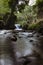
[26, 50]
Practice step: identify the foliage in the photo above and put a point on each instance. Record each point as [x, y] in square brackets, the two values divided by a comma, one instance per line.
[23, 12]
[4, 6]
[39, 5]
[12, 5]
[21, 7]
[39, 2]
[38, 26]
[27, 15]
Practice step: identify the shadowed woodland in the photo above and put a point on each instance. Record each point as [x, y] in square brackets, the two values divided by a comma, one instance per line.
[29, 17]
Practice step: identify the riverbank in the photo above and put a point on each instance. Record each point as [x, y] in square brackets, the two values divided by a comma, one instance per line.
[34, 26]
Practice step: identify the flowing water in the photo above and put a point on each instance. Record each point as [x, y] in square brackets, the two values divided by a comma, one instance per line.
[18, 52]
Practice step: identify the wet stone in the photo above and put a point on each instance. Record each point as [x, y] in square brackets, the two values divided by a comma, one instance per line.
[31, 41]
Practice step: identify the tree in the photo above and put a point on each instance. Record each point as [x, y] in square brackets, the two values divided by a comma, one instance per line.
[10, 18]
[39, 4]
[14, 4]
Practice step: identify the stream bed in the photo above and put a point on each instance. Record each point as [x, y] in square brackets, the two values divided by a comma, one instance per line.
[26, 50]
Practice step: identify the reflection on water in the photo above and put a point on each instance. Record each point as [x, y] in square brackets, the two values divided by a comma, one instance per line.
[6, 53]
[23, 47]
[6, 60]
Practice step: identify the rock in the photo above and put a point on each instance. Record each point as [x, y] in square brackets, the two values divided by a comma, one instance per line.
[13, 38]
[31, 40]
[37, 35]
[27, 61]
